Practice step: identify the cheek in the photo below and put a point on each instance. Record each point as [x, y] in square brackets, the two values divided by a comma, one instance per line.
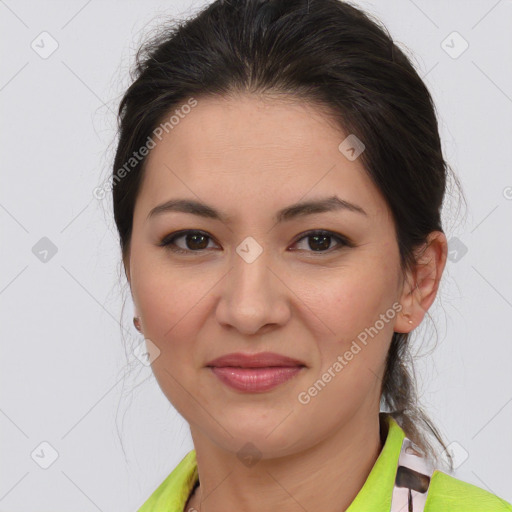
[165, 300]
[172, 318]
[353, 358]
[164, 293]
[170, 306]
[350, 300]
[350, 305]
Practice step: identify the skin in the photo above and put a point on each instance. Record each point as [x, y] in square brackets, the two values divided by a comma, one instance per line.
[249, 157]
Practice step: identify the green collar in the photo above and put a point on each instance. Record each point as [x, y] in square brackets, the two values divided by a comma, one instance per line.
[377, 490]
[375, 495]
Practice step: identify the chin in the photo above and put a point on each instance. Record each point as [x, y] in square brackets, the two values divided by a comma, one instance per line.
[266, 441]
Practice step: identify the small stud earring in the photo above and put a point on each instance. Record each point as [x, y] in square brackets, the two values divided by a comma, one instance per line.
[136, 323]
[408, 315]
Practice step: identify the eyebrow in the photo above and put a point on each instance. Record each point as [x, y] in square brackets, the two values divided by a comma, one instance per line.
[300, 209]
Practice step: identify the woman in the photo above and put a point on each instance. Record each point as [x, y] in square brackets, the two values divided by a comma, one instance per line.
[277, 188]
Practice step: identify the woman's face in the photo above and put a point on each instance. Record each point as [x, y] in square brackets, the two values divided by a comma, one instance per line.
[255, 281]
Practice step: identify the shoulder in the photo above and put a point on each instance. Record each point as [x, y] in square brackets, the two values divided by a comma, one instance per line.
[449, 494]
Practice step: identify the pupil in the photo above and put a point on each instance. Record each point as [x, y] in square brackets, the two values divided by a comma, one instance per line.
[194, 240]
[322, 245]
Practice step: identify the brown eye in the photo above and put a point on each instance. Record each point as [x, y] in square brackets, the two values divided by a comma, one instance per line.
[196, 241]
[193, 241]
[320, 241]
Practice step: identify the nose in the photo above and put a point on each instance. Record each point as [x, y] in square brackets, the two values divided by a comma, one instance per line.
[253, 298]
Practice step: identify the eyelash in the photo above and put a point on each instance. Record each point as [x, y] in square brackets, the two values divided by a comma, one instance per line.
[168, 240]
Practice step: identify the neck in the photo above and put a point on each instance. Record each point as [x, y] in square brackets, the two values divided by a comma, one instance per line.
[326, 477]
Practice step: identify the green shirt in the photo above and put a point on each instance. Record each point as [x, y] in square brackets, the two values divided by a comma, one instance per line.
[445, 493]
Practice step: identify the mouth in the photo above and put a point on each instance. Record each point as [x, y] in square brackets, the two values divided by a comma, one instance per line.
[256, 379]
[255, 373]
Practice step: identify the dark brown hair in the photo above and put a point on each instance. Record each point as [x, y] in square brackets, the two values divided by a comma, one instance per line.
[326, 52]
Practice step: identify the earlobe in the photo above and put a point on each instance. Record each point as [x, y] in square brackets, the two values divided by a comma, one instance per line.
[136, 322]
[405, 322]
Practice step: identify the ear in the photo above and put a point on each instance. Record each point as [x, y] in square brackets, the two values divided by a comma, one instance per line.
[422, 282]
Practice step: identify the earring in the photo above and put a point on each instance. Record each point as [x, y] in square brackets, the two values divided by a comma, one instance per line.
[136, 323]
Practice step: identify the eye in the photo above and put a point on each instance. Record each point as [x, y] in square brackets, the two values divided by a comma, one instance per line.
[195, 241]
[320, 241]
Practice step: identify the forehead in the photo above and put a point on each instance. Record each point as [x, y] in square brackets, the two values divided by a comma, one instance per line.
[257, 152]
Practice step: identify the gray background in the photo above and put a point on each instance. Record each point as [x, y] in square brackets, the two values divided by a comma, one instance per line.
[63, 358]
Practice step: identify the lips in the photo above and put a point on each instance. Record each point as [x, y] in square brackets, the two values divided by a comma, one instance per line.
[255, 380]
[260, 360]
